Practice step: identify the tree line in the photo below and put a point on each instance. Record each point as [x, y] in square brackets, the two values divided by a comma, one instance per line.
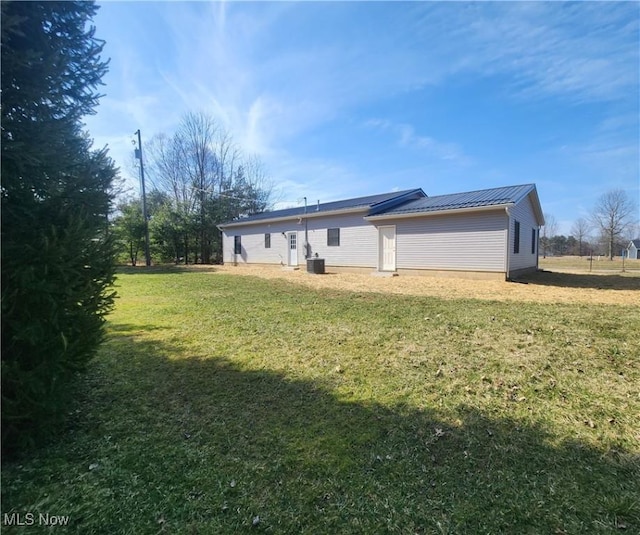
[184, 208]
[199, 178]
[606, 232]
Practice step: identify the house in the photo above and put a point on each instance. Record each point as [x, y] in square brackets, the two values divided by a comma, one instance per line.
[633, 249]
[492, 233]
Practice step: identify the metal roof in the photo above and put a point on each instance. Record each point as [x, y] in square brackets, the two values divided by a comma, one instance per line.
[370, 201]
[405, 204]
[470, 199]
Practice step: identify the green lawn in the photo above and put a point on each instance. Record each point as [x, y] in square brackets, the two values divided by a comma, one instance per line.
[227, 404]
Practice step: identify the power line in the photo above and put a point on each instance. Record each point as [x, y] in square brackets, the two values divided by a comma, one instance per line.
[226, 196]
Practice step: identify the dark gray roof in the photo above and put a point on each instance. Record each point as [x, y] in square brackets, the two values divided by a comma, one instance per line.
[370, 201]
[470, 199]
[407, 202]
[636, 243]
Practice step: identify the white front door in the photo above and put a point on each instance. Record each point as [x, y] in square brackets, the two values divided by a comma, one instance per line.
[292, 239]
[387, 248]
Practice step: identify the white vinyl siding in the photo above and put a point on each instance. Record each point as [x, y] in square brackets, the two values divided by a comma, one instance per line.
[253, 249]
[463, 242]
[523, 214]
[358, 242]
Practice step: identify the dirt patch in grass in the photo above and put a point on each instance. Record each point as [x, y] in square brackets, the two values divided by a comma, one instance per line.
[545, 287]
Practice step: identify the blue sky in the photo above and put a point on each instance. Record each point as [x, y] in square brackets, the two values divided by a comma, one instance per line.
[348, 99]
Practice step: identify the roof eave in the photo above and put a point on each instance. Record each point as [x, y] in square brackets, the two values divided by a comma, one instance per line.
[308, 215]
[409, 215]
[537, 207]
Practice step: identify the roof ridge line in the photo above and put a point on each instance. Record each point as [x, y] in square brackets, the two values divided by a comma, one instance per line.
[483, 189]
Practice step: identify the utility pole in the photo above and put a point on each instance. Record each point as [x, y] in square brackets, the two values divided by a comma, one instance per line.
[147, 255]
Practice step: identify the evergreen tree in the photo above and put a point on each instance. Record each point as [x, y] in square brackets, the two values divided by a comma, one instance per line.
[129, 230]
[57, 257]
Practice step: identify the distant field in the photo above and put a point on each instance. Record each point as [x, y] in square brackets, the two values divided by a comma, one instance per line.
[234, 400]
[598, 264]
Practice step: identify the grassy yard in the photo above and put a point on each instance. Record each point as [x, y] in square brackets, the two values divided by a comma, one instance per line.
[596, 264]
[228, 404]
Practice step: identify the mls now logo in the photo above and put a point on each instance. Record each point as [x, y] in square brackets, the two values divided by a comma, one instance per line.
[31, 519]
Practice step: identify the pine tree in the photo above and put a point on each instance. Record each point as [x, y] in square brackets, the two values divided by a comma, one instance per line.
[57, 257]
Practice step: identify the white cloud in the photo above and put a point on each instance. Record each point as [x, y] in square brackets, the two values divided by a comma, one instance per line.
[278, 73]
[580, 51]
[406, 137]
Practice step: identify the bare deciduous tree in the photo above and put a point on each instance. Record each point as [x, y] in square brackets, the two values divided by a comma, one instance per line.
[580, 231]
[209, 179]
[168, 172]
[549, 230]
[614, 215]
[198, 133]
[166, 169]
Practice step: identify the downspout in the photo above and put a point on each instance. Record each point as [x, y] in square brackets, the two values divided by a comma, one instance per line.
[306, 231]
[508, 259]
[538, 249]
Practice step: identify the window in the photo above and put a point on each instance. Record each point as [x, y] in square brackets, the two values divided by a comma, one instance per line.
[516, 237]
[533, 241]
[267, 241]
[237, 245]
[333, 237]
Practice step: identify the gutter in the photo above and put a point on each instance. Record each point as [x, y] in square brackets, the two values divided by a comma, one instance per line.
[408, 215]
[292, 217]
[508, 247]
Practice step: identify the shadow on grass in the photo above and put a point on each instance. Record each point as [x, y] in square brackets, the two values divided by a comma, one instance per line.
[165, 268]
[575, 280]
[172, 443]
[133, 328]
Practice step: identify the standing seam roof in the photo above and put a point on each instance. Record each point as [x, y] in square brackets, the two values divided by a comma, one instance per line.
[470, 199]
[358, 202]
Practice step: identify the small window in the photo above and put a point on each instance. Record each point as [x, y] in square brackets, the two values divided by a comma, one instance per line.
[237, 245]
[267, 241]
[533, 241]
[516, 237]
[333, 237]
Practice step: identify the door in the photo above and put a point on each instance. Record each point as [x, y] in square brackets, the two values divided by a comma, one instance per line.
[387, 248]
[292, 238]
